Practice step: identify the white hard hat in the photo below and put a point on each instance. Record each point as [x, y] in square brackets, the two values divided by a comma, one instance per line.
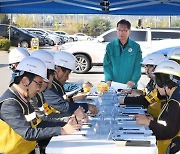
[65, 59]
[153, 59]
[174, 54]
[168, 67]
[35, 66]
[46, 57]
[17, 54]
[52, 52]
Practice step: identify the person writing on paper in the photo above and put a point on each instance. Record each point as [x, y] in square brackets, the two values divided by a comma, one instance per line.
[167, 125]
[56, 95]
[122, 60]
[20, 126]
[150, 98]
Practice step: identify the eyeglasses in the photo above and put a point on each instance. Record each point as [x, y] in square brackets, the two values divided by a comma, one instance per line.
[123, 31]
[39, 84]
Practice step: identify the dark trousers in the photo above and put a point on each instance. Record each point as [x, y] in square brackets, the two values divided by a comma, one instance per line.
[43, 144]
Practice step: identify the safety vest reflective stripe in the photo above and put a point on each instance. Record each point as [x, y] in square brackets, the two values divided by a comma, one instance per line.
[55, 84]
[30, 116]
[41, 108]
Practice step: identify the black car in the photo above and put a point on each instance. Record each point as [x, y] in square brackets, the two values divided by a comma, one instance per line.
[42, 40]
[17, 35]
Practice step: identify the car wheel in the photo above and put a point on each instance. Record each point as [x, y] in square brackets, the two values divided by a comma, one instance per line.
[51, 42]
[71, 39]
[24, 44]
[83, 63]
[89, 39]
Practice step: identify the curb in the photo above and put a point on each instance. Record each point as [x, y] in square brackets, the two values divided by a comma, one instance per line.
[3, 52]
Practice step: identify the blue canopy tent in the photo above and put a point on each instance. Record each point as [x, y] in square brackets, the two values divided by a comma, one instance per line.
[118, 7]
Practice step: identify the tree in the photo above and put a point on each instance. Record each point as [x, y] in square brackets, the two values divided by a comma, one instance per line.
[4, 19]
[98, 26]
[175, 23]
[24, 20]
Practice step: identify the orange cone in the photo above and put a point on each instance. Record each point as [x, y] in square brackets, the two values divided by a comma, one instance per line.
[56, 47]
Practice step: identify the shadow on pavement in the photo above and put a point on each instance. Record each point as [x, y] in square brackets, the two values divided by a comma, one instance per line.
[3, 65]
[94, 73]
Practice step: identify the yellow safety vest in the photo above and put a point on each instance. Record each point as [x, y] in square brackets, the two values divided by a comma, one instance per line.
[163, 144]
[155, 103]
[10, 141]
[152, 97]
[47, 108]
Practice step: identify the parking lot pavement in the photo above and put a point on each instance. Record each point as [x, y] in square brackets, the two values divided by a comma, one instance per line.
[4, 72]
[95, 75]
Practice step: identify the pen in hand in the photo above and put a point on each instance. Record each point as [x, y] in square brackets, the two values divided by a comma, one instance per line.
[76, 121]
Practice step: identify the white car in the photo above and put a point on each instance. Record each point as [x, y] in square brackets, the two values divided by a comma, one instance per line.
[71, 38]
[89, 53]
[83, 37]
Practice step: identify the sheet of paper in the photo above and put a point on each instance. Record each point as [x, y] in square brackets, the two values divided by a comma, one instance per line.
[117, 85]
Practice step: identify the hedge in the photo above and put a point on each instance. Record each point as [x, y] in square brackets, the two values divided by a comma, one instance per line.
[4, 43]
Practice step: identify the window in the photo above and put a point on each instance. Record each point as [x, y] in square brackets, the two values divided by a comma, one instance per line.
[39, 33]
[3, 30]
[110, 36]
[138, 35]
[14, 31]
[134, 35]
[80, 34]
[165, 35]
[62, 33]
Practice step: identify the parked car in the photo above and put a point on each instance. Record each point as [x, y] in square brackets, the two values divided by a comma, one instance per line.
[65, 38]
[44, 36]
[71, 38]
[89, 53]
[83, 37]
[62, 39]
[17, 35]
[48, 34]
[42, 40]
